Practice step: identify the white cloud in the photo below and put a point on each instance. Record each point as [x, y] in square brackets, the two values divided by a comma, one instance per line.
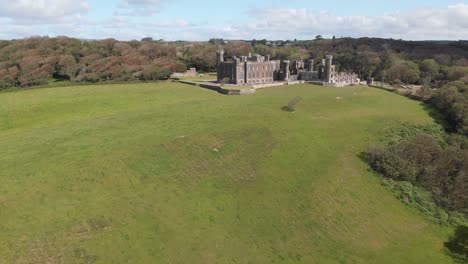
[43, 11]
[66, 17]
[171, 24]
[137, 3]
[140, 7]
[446, 23]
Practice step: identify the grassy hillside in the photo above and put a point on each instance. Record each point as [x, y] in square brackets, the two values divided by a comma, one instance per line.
[171, 173]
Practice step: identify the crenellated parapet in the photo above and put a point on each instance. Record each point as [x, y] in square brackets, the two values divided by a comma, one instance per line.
[257, 69]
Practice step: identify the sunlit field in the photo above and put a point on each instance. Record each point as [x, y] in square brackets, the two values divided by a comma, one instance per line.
[173, 173]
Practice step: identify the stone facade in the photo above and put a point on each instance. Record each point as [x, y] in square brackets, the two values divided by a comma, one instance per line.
[258, 69]
[190, 73]
[247, 69]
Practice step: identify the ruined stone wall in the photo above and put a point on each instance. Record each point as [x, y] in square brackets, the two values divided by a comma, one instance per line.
[190, 73]
[255, 70]
[297, 66]
[346, 78]
[225, 71]
[308, 76]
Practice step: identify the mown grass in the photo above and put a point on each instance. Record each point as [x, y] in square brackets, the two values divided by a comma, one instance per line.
[172, 173]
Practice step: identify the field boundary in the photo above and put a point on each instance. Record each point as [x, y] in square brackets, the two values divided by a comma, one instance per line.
[220, 89]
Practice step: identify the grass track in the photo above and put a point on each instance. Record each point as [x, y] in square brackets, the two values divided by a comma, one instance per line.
[171, 173]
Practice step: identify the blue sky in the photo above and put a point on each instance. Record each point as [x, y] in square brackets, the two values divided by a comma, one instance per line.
[239, 19]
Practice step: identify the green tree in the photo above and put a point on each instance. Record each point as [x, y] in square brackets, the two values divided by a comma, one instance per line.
[429, 70]
[155, 72]
[405, 71]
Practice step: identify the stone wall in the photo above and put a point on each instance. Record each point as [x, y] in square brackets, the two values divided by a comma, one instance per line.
[190, 73]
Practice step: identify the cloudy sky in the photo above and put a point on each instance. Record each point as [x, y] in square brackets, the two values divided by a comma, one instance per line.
[237, 19]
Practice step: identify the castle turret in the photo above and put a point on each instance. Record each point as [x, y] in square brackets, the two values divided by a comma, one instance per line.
[328, 60]
[219, 56]
[310, 65]
[329, 69]
[219, 60]
[286, 70]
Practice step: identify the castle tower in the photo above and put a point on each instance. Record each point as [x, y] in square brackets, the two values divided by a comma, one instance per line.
[286, 69]
[219, 68]
[328, 60]
[219, 56]
[329, 69]
[310, 65]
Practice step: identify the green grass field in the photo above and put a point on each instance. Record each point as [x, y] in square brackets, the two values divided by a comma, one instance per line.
[172, 173]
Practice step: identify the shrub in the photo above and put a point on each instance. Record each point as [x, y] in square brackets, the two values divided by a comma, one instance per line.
[452, 101]
[154, 72]
[436, 163]
[290, 107]
[458, 244]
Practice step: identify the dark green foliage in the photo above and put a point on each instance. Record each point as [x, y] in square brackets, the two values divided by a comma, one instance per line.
[452, 100]
[422, 200]
[154, 72]
[39, 59]
[409, 131]
[404, 71]
[435, 164]
[429, 68]
[458, 244]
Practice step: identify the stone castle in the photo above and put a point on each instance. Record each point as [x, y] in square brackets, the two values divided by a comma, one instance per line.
[258, 69]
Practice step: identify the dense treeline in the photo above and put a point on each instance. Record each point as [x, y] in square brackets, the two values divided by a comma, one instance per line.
[431, 159]
[395, 61]
[38, 60]
[440, 166]
[35, 61]
[452, 101]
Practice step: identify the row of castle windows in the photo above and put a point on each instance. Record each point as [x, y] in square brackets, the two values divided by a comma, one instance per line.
[256, 75]
[257, 81]
[259, 75]
[263, 67]
[260, 81]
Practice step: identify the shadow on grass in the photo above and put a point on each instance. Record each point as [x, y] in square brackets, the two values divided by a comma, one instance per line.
[364, 156]
[458, 245]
